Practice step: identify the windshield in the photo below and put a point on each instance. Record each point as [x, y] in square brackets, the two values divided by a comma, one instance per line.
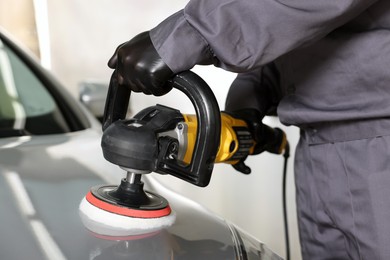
[26, 107]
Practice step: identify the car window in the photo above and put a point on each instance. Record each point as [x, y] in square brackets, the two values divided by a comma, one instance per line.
[26, 107]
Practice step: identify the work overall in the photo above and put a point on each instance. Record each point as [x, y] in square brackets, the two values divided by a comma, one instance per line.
[328, 62]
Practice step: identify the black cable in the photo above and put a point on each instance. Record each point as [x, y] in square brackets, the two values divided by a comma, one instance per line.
[286, 155]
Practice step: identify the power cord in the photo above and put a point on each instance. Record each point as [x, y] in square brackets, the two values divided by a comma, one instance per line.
[286, 155]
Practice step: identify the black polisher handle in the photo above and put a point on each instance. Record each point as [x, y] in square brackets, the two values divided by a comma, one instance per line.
[199, 171]
[117, 102]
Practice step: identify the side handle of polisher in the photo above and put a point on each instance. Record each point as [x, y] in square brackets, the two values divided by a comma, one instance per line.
[208, 132]
[117, 102]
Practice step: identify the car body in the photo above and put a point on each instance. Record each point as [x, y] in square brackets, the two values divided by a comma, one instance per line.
[50, 156]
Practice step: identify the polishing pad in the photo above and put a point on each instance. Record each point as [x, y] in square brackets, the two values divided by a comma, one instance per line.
[123, 211]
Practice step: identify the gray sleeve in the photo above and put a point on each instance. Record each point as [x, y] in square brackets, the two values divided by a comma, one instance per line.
[239, 35]
[258, 89]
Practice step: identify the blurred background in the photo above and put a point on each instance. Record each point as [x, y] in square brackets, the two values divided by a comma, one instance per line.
[74, 40]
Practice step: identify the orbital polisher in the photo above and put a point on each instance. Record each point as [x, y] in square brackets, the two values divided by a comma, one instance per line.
[163, 140]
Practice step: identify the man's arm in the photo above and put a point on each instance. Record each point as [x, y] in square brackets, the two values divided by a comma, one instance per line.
[257, 89]
[251, 96]
[240, 35]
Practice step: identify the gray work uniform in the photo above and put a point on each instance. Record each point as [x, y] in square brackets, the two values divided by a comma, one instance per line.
[325, 64]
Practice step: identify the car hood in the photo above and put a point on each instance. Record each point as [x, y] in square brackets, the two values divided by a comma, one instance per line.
[43, 180]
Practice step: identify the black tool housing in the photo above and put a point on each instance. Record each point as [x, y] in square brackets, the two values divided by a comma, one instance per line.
[134, 143]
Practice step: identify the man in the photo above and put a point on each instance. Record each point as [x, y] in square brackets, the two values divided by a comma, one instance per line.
[325, 64]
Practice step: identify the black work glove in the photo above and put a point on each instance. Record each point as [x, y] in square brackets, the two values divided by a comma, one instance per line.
[140, 67]
[267, 139]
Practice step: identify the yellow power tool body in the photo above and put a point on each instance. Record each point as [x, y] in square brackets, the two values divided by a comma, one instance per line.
[236, 141]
